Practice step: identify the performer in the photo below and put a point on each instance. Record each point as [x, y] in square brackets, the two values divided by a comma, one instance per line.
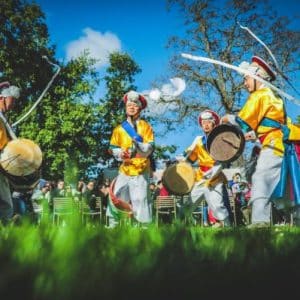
[8, 94]
[209, 177]
[263, 116]
[132, 143]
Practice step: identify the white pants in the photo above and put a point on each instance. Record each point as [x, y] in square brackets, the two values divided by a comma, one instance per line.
[6, 205]
[133, 189]
[264, 181]
[213, 197]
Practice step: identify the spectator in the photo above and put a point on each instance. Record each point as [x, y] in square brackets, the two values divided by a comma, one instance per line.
[40, 198]
[89, 195]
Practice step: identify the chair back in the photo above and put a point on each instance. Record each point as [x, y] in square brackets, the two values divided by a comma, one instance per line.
[165, 205]
[164, 202]
[86, 212]
[62, 206]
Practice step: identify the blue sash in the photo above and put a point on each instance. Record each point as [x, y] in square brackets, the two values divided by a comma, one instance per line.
[290, 168]
[135, 136]
[275, 124]
[131, 132]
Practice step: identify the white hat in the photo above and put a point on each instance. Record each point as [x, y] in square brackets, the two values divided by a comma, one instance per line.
[11, 91]
[135, 97]
[260, 68]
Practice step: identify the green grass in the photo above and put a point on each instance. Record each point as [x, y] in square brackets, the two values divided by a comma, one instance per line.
[85, 262]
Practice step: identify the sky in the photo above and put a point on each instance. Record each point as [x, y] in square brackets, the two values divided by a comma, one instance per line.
[140, 28]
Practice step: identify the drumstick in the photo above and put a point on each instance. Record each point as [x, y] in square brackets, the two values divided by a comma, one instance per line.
[6, 124]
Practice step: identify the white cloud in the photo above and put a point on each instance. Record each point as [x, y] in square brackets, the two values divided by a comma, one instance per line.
[168, 93]
[99, 45]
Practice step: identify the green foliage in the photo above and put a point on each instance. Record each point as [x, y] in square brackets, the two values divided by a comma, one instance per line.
[164, 152]
[68, 124]
[64, 123]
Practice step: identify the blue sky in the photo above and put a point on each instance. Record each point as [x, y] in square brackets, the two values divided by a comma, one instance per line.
[138, 27]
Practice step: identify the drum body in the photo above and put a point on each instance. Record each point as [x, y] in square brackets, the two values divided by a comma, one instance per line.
[179, 178]
[225, 143]
[20, 162]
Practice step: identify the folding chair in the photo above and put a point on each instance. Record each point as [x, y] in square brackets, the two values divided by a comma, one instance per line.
[233, 208]
[87, 213]
[62, 206]
[198, 214]
[165, 205]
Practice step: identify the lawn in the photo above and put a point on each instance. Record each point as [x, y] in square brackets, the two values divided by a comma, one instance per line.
[186, 262]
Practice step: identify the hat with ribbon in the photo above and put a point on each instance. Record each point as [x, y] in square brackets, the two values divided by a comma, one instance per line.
[136, 98]
[209, 115]
[260, 68]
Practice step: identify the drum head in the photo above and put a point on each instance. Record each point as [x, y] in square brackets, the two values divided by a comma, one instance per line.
[179, 178]
[21, 157]
[225, 143]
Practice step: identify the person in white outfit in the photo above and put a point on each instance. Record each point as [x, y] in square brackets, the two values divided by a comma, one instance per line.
[132, 143]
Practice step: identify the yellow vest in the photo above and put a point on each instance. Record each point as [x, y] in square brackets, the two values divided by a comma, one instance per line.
[197, 152]
[121, 139]
[260, 104]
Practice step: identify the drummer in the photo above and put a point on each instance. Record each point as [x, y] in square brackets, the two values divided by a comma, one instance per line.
[8, 94]
[261, 106]
[209, 177]
[132, 143]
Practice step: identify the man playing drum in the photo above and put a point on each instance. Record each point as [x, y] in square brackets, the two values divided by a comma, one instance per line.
[209, 178]
[132, 143]
[263, 116]
[8, 94]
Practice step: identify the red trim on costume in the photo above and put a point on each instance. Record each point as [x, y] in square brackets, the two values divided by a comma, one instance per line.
[118, 203]
[265, 66]
[204, 168]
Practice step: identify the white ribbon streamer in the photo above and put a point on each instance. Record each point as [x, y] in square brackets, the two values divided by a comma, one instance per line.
[261, 42]
[42, 95]
[245, 72]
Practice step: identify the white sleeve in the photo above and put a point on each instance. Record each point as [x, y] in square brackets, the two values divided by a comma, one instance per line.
[117, 153]
[232, 120]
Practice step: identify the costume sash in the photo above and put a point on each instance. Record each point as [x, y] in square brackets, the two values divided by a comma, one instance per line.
[290, 169]
[290, 174]
[131, 132]
[267, 122]
[135, 136]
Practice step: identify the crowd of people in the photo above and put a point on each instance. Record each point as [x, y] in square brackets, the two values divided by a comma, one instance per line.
[129, 194]
[38, 202]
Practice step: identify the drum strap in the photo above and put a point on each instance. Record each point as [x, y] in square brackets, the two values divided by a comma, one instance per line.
[131, 131]
[135, 136]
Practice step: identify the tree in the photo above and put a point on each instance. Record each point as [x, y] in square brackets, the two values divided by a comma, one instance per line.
[119, 80]
[212, 31]
[64, 123]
